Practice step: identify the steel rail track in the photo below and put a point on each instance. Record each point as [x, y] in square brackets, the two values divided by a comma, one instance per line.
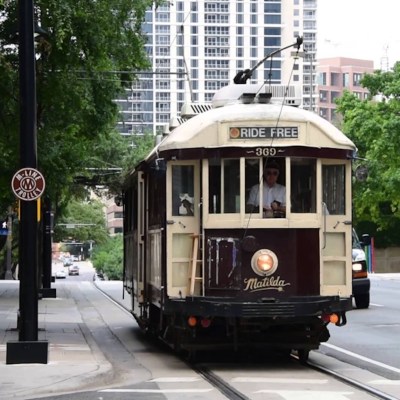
[222, 386]
[349, 381]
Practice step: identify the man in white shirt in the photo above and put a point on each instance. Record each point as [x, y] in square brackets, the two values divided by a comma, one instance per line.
[274, 194]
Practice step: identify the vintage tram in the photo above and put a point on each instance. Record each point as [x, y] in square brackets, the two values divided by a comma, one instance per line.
[206, 269]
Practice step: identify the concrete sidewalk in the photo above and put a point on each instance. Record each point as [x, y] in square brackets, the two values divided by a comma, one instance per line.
[74, 359]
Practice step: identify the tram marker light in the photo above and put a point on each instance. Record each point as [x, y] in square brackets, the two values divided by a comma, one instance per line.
[205, 322]
[334, 319]
[192, 321]
[326, 318]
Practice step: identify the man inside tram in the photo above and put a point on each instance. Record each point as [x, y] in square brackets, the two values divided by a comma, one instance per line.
[273, 196]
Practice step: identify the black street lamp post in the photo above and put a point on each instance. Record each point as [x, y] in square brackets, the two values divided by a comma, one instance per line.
[28, 349]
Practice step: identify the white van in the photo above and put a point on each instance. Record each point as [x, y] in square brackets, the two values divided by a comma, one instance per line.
[361, 282]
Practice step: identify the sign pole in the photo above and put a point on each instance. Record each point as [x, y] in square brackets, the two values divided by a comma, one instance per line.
[28, 349]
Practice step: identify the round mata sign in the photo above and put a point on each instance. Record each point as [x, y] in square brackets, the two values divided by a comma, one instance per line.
[28, 184]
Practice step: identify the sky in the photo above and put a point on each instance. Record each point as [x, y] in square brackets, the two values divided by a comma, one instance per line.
[364, 29]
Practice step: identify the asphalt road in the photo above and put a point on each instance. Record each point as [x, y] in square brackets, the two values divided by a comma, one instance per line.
[371, 337]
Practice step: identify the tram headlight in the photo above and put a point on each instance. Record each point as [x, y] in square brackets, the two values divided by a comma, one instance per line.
[264, 262]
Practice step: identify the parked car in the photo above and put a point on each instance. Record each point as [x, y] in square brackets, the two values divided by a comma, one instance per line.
[61, 274]
[361, 282]
[73, 270]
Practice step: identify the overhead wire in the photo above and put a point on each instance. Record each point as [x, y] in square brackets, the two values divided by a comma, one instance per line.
[266, 159]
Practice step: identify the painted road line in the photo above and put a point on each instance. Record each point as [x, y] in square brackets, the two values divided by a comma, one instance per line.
[369, 360]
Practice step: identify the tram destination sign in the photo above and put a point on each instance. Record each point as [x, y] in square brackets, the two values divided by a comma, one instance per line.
[264, 132]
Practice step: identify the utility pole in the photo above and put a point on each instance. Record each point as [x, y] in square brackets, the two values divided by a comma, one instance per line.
[28, 349]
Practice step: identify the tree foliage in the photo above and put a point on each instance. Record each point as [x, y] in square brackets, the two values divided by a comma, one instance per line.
[374, 125]
[108, 258]
[82, 222]
[82, 64]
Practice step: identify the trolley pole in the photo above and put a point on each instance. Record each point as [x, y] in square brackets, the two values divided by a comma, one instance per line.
[28, 349]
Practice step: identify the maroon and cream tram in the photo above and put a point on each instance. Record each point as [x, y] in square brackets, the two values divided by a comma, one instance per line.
[202, 268]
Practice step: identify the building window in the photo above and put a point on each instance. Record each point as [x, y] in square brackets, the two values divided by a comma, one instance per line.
[356, 79]
[335, 79]
[272, 19]
[323, 96]
[272, 31]
[272, 8]
[323, 112]
[346, 81]
[322, 78]
[334, 96]
[272, 41]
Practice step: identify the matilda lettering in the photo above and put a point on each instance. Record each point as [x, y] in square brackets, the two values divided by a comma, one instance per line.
[267, 283]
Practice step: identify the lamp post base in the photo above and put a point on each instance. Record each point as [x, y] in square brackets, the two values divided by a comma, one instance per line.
[27, 352]
[48, 293]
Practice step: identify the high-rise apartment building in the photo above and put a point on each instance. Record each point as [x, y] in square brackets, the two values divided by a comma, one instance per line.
[197, 47]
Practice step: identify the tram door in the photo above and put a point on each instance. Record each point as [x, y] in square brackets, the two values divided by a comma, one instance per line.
[336, 228]
[183, 225]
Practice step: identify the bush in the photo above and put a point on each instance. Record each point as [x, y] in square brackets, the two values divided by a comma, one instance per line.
[107, 258]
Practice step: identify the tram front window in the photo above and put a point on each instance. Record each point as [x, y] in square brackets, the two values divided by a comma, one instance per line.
[224, 186]
[270, 191]
[303, 188]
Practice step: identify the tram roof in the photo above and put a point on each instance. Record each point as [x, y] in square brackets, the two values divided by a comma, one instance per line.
[201, 130]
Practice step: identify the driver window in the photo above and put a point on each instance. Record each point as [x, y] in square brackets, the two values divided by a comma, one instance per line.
[303, 188]
[269, 189]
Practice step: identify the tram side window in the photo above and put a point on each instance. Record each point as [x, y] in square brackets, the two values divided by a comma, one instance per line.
[156, 209]
[224, 186]
[130, 222]
[183, 190]
[333, 188]
[303, 187]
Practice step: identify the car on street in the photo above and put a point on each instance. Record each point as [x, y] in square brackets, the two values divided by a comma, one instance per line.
[73, 270]
[361, 283]
[61, 274]
[67, 261]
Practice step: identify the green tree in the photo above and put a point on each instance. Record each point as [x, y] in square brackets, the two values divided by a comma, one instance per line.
[141, 147]
[108, 258]
[83, 63]
[82, 221]
[374, 125]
